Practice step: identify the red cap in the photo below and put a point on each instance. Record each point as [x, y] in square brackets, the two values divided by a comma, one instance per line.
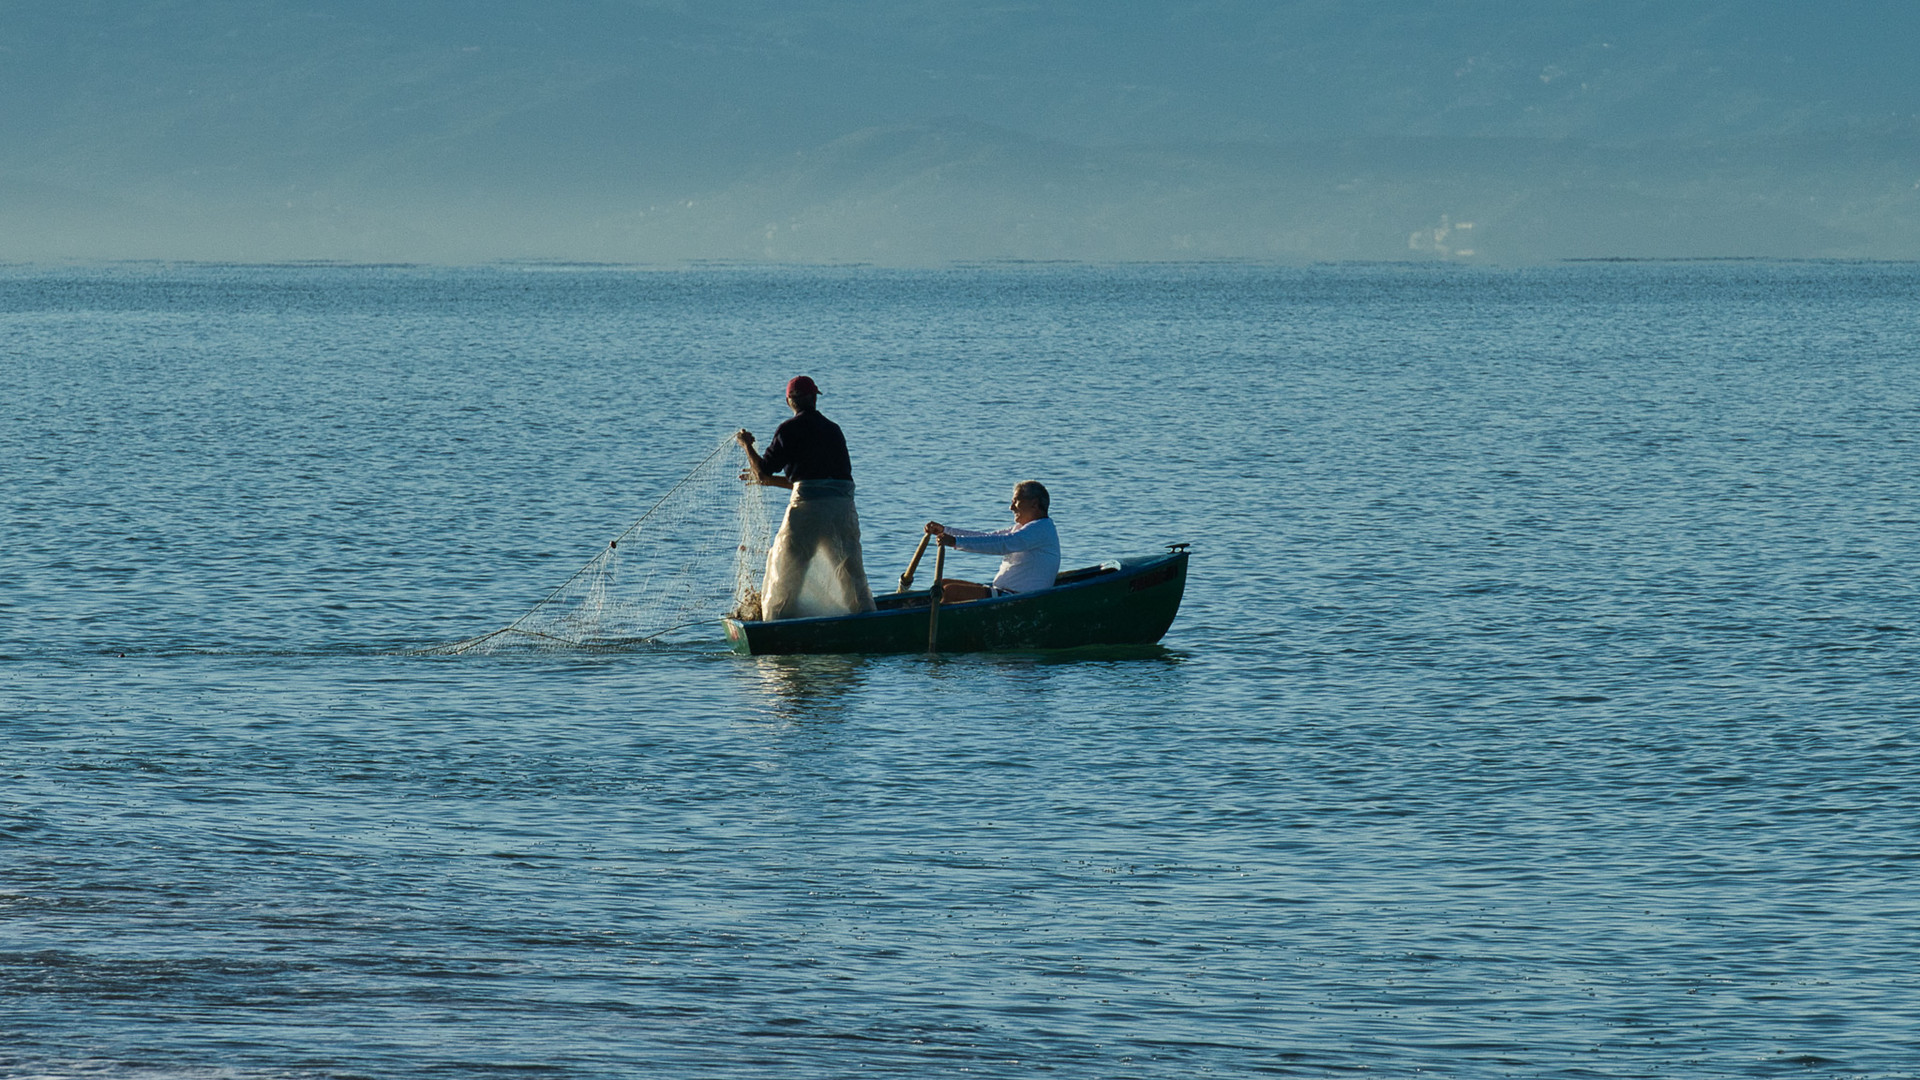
[801, 386]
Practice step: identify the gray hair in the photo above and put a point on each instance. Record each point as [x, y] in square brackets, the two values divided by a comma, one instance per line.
[1034, 492]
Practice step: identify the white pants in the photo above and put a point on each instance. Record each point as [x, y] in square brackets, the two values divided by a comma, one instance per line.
[814, 567]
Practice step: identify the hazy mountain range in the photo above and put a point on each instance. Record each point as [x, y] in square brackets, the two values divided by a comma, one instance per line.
[857, 130]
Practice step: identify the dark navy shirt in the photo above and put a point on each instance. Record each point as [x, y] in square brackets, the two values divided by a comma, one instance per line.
[809, 447]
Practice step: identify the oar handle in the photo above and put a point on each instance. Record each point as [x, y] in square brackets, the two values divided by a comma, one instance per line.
[933, 599]
[906, 579]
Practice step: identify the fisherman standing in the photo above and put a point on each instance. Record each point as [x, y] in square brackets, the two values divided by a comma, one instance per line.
[814, 567]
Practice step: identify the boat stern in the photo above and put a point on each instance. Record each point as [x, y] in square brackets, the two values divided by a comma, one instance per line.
[737, 639]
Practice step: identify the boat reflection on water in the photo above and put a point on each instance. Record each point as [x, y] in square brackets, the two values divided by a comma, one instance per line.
[818, 687]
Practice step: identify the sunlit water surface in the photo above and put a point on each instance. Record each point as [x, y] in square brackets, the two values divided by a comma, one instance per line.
[1542, 704]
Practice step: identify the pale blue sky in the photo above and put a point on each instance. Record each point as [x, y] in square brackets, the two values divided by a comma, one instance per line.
[924, 132]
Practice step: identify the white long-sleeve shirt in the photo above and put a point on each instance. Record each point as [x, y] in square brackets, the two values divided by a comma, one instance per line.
[1030, 553]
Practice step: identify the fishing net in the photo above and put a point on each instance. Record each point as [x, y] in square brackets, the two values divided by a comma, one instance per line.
[693, 558]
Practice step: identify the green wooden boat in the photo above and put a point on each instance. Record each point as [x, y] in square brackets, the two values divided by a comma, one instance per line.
[1124, 602]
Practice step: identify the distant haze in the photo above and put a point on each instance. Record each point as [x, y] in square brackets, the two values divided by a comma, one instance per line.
[912, 133]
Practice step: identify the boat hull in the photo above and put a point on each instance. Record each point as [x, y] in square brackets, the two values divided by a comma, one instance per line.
[1131, 602]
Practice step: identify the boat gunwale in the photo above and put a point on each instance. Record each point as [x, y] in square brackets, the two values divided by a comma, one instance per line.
[1098, 574]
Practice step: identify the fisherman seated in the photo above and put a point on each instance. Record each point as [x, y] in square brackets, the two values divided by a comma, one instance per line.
[1029, 551]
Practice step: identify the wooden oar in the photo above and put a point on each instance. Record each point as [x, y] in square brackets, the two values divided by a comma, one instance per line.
[933, 599]
[906, 579]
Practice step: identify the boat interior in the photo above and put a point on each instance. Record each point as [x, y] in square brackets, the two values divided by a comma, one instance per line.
[918, 598]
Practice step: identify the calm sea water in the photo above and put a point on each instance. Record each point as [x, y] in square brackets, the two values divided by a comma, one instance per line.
[1543, 703]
